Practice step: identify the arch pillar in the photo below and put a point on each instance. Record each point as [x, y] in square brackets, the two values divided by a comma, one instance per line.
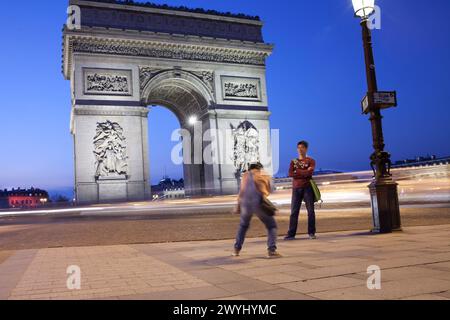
[110, 147]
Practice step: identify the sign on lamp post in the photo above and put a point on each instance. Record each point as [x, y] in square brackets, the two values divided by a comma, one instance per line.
[379, 100]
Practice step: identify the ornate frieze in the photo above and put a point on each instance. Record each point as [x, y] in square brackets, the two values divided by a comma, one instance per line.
[110, 151]
[92, 111]
[244, 89]
[105, 81]
[246, 146]
[169, 51]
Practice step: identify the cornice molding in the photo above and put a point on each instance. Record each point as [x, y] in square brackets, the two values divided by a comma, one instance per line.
[76, 43]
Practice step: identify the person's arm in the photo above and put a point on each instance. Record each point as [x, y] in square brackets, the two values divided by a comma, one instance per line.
[304, 174]
[313, 166]
[291, 170]
[271, 185]
[267, 184]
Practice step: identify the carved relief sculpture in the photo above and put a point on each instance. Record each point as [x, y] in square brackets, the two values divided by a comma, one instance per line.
[207, 77]
[145, 75]
[107, 82]
[241, 90]
[110, 151]
[246, 146]
[246, 89]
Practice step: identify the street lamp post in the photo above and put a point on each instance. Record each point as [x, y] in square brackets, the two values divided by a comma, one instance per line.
[383, 189]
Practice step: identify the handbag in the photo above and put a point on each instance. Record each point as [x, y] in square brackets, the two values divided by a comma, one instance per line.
[268, 207]
[317, 193]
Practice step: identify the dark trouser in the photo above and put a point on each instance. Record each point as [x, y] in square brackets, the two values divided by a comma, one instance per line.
[298, 195]
[247, 211]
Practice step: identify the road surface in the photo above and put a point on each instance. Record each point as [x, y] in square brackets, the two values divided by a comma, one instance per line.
[424, 197]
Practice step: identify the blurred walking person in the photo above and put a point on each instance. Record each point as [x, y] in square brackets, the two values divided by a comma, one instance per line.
[255, 188]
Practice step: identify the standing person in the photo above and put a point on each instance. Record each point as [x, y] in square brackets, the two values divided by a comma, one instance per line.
[302, 170]
[255, 184]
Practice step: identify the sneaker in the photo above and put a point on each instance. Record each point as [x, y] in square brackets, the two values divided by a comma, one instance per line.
[289, 238]
[273, 254]
[236, 253]
[312, 237]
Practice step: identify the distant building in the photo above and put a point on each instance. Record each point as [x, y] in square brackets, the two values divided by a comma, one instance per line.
[168, 189]
[21, 198]
[421, 161]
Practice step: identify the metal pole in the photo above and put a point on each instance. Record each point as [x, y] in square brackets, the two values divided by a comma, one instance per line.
[383, 190]
[375, 114]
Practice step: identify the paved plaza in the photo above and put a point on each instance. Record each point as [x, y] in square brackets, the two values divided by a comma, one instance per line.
[415, 264]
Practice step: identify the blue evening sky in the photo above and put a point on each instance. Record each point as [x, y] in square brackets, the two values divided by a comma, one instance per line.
[315, 83]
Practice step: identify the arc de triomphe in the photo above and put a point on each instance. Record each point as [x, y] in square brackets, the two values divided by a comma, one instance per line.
[122, 58]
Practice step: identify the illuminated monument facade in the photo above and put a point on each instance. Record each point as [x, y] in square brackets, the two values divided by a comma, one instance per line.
[123, 58]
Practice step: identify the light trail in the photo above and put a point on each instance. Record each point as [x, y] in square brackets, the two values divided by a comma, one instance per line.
[427, 185]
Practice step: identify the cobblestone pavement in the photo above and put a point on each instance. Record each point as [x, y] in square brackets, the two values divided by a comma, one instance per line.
[415, 264]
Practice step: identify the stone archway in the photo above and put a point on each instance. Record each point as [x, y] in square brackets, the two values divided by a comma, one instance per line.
[179, 90]
[126, 57]
[188, 95]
